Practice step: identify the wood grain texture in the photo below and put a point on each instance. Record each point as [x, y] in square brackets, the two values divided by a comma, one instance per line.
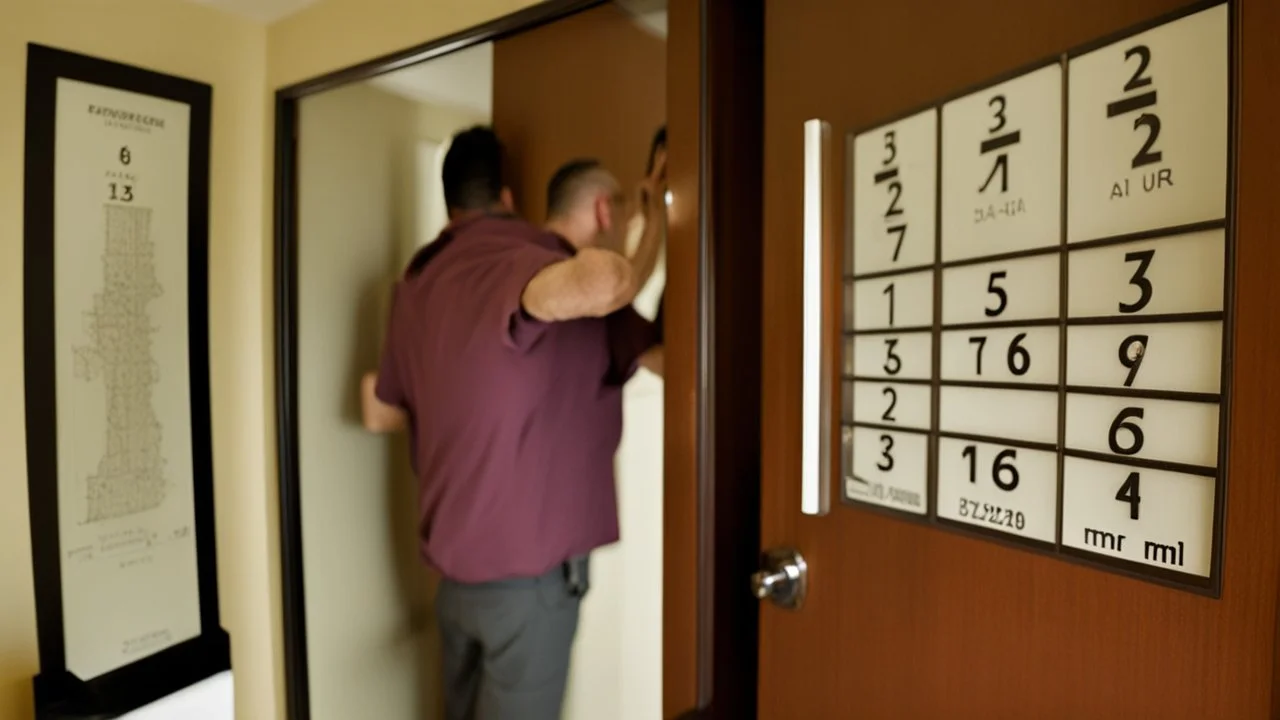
[589, 85]
[908, 621]
[680, 499]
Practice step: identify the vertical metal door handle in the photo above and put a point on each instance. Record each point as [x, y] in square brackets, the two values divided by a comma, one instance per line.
[815, 422]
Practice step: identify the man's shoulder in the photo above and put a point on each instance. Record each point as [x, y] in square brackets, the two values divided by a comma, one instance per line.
[511, 233]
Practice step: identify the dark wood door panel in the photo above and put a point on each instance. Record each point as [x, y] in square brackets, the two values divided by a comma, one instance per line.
[908, 621]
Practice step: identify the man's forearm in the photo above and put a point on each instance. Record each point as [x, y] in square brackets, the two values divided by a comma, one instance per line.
[645, 257]
[592, 283]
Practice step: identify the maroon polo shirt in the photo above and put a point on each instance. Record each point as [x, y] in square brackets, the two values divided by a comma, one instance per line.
[514, 422]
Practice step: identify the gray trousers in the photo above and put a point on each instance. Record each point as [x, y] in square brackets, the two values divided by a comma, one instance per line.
[506, 646]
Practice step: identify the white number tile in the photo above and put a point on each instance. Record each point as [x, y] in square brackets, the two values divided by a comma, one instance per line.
[1028, 415]
[1174, 524]
[1023, 289]
[889, 469]
[1002, 167]
[902, 357]
[895, 175]
[1175, 274]
[1185, 357]
[1012, 490]
[1153, 155]
[1015, 355]
[894, 301]
[1168, 430]
[880, 403]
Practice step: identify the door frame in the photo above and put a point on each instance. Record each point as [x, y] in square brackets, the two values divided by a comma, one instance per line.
[712, 480]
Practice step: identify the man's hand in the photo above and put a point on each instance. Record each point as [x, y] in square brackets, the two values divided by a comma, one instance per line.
[378, 416]
[592, 283]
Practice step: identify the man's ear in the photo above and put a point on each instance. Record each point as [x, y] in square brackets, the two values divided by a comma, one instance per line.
[604, 212]
[507, 200]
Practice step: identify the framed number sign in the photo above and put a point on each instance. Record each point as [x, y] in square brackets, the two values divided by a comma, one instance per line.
[1038, 310]
[117, 384]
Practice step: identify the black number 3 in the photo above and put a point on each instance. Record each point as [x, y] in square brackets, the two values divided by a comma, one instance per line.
[1139, 280]
[886, 464]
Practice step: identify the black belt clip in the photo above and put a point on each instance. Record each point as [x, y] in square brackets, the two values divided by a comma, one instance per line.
[576, 576]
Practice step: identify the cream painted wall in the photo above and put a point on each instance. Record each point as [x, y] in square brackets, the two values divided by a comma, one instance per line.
[372, 645]
[230, 54]
[334, 34]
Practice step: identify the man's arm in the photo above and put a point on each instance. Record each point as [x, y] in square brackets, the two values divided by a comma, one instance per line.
[653, 205]
[592, 283]
[378, 416]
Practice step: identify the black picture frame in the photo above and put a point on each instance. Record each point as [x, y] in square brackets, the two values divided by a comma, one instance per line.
[58, 692]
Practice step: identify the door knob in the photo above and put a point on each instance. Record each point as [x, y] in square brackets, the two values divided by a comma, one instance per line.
[783, 578]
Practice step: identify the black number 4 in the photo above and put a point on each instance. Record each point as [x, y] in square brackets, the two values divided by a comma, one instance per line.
[1128, 493]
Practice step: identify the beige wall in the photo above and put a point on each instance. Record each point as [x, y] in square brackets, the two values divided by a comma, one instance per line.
[372, 645]
[194, 42]
[245, 63]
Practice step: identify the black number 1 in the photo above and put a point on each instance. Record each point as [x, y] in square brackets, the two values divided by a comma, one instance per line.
[888, 290]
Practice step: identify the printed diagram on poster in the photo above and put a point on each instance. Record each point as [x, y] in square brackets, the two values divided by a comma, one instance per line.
[120, 462]
[126, 510]
[1052, 371]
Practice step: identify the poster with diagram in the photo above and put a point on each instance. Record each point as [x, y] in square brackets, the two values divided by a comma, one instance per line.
[120, 472]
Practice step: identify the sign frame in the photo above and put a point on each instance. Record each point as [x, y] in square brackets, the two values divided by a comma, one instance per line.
[1209, 586]
[59, 693]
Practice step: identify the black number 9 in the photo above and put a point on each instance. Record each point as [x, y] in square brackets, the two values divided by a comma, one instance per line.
[1132, 350]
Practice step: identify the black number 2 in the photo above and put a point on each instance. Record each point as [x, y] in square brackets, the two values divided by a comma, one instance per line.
[893, 402]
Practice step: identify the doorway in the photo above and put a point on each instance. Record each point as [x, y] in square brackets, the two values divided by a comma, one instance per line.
[357, 194]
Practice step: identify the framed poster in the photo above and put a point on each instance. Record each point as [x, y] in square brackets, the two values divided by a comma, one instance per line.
[120, 471]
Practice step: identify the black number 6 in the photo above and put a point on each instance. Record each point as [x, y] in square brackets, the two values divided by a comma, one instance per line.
[1122, 423]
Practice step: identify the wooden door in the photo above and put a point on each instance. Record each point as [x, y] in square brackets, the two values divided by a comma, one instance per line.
[908, 617]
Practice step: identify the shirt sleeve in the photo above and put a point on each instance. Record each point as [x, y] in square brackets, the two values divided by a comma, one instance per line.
[515, 267]
[630, 336]
[390, 387]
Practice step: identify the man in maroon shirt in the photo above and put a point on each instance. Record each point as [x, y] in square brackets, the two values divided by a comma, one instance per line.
[505, 354]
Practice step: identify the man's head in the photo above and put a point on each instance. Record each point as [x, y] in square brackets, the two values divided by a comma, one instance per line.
[586, 205]
[472, 173]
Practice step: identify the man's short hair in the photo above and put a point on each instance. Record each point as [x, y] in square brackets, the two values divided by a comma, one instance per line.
[472, 172]
[659, 143]
[568, 182]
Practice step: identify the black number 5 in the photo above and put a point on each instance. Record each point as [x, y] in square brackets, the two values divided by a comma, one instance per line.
[1002, 298]
[1139, 280]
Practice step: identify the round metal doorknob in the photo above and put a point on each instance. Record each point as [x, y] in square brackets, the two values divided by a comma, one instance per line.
[763, 583]
[783, 579]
